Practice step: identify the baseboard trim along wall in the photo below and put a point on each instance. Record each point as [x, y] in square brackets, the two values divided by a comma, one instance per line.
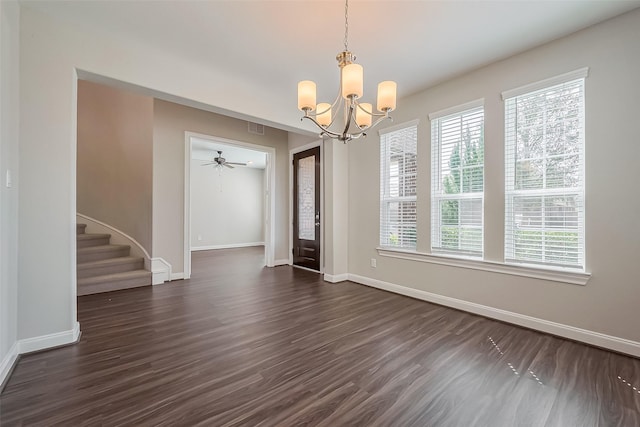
[49, 341]
[7, 364]
[279, 262]
[577, 334]
[335, 278]
[177, 276]
[230, 246]
[160, 270]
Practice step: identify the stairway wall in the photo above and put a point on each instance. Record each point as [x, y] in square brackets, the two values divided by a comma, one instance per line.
[115, 159]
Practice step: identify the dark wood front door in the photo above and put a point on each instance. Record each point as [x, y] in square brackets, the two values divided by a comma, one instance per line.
[306, 209]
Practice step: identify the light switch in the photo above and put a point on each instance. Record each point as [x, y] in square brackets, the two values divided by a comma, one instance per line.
[8, 181]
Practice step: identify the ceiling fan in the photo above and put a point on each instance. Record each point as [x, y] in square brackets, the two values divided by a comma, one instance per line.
[221, 161]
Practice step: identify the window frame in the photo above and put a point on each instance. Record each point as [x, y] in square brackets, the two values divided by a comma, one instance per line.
[385, 178]
[436, 194]
[511, 192]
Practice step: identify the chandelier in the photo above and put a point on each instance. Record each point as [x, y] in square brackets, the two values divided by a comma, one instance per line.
[357, 116]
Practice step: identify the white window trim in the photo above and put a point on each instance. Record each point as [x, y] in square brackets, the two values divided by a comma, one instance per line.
[534, 272]
[399, 126]
[570, 76]
[457, 109]
[381, 132]
[581, 73]
[478, 103]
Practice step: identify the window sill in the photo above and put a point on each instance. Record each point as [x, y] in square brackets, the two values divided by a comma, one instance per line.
[555, 275]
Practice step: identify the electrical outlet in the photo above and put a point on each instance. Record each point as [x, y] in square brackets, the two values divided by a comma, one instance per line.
[373, 263]
[199, 237]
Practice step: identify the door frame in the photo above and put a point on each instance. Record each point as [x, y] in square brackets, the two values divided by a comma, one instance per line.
[293, 151]
[269, 208]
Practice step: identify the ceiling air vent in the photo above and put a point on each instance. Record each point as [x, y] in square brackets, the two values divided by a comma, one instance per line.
[256, 128]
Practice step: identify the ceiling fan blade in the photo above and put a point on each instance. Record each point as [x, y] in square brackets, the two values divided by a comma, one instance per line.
[235, 163]
[207, 164]
[229, 166]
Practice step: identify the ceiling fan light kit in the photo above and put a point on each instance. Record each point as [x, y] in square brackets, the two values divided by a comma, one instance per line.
[358, 116]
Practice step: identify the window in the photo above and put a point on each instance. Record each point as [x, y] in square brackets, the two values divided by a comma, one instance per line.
[544, 172]
[457, 184]
[398, 149]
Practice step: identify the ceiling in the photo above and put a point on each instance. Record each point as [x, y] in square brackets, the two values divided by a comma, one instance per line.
[205, 150]
[274, 44]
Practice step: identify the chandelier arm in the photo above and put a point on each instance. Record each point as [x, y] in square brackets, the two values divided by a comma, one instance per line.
[335, 102]
[322, 128]
[381, 119]
[364, 129]
[338, 110]
[372, 114]
[347, 125]
[353, 117]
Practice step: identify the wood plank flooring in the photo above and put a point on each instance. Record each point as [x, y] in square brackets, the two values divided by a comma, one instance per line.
[242, 345]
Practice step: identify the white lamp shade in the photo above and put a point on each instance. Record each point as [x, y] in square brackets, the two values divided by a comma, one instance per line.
[363, 118]
[387, 96]
[306, 95]
[352, 80]
[324, 118]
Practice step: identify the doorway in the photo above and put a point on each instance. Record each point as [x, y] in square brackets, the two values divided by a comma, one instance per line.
[307, 209]
[216, 161]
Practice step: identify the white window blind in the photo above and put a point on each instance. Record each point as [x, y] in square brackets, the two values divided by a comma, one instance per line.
[457, 184]
[398, 150]
[544, 172]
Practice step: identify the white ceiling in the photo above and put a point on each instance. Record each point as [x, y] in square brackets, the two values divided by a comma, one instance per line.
[205, 150]
[277, 43]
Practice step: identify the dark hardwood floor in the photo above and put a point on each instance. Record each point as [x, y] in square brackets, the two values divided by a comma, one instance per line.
[242, 345]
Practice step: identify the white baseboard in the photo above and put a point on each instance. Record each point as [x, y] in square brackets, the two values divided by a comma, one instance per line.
[577, 334]
[160, 270]
[230, 246]
[335, 278]
[177, 276]
[49, 341]
[281, 262]
[7, 363]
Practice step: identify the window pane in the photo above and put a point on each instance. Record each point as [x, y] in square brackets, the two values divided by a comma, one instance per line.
[561, 212]
[458, 172]
[563, 171]
[401, 224]
[307, 198]
[544, 176]
[398, 176]
[529, 174]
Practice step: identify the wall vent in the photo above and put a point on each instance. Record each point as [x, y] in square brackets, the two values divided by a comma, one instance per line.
[256, 128]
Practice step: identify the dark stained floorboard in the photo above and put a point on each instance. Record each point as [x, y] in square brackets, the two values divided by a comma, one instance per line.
[243, 345]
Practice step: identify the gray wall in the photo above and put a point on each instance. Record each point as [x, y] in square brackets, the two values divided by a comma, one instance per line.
[609, 303]
[227, 205]
[115, 155]
[170, 123]
[9, 106]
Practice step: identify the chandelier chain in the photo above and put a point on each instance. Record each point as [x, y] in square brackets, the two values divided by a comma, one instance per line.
[346, 25]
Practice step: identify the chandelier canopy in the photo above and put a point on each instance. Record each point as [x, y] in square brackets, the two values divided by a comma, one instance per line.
[358, 116]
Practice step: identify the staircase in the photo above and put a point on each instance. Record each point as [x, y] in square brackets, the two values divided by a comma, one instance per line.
[103, 267]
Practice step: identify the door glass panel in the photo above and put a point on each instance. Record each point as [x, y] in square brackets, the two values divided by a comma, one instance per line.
[307, 198]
